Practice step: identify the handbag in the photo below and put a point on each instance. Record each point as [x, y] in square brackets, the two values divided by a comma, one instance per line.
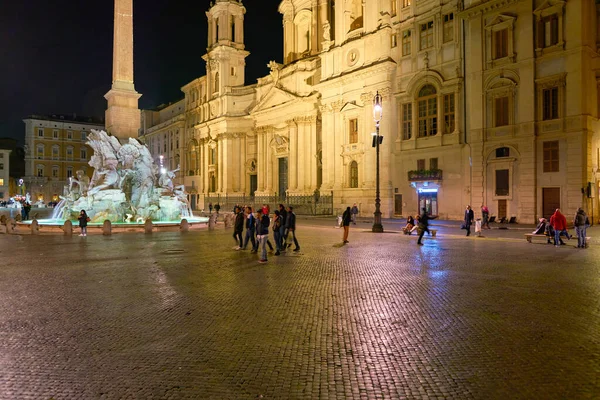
[463, 226]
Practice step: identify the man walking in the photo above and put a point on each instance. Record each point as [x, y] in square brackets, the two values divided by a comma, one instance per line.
[238, 228]
[250, 229]
[262, 234]
[282, 235]
[469, 217]
[423, 225]
[290, 226]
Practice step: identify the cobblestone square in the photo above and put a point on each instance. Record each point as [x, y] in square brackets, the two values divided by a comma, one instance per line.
[181, 316]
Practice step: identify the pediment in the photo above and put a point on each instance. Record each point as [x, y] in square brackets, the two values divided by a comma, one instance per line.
[549, 5]
[500, 19]
[350, 106]
[275, 97]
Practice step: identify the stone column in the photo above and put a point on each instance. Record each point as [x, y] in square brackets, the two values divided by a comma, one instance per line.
[269, 162]
[260, 161]
[122, 115]
[293, 155]
[288, 39]
[220, 164]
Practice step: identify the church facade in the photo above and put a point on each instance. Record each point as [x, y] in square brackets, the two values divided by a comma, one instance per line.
[484, 103]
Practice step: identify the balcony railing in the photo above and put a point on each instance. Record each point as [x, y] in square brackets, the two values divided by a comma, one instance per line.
[425, 175]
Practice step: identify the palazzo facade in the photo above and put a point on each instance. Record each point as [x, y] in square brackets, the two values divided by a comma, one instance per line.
[484, 102]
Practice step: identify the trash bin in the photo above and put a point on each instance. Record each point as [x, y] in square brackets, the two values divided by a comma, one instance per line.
[478, 226]
[339, 221]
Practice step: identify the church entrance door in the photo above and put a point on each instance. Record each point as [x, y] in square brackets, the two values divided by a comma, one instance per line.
[283, 176]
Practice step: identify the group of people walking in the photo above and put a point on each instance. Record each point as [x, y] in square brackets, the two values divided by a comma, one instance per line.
[259, 224]
[557, 227]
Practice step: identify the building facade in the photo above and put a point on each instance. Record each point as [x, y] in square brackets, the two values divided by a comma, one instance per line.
[55, 150]
[484, 103]
[4, 174]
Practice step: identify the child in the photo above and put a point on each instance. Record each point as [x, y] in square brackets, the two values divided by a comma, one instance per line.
[83, 220]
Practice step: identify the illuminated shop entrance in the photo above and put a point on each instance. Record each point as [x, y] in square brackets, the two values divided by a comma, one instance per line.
[428, 199]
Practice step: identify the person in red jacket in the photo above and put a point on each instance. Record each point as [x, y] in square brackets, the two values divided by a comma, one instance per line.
[559, 223]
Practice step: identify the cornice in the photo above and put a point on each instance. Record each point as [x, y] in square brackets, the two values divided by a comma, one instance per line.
[485, 7]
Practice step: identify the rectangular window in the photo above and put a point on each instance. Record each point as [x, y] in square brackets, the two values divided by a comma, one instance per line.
[406, 43]
[428, 117]
[433, 164]
[549, 36]
[40, 171]
[550, 103]
[40, 133]
[69, 172]
[448, 27]
[83, 136]
[69, 153]
[551, 156]
[501, 111]
[421, 165]
[426, 35]
[502, 152]
[405, 3]
[353, 129]
[55, 134]
[449, 116]
[500, 43]
[69, 135]
[406, 121]
[1, 155]
[1, 166]
[502, 182]
[394, 40]
[83, 154]
[55, 172]
[55, 153]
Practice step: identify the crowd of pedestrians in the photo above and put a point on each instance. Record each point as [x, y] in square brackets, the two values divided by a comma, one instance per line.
[259, 224]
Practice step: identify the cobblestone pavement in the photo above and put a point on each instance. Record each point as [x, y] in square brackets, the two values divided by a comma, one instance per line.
[179, 316]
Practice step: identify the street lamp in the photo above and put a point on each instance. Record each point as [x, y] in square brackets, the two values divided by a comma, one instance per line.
[377, 139]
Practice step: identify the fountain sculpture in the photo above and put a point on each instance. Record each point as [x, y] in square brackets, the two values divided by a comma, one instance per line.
[126, 185]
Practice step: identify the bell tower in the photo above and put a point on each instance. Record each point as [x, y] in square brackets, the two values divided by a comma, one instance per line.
[226, 54]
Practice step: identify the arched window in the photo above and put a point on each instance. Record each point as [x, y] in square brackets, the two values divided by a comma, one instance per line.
[356, 14]
[427, 105]
[40, 151]
[353, 174]
[55, 171]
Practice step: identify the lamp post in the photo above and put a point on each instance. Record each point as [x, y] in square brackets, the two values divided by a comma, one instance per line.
[377, 139]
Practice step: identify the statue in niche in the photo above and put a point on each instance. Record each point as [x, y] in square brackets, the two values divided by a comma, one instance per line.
[327, 31]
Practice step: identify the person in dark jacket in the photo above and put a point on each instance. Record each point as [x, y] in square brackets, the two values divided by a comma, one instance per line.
[354, 213]
[83, 221]
[283, 214]
[217, 208]
[277, 231]
[581, 223]
[210, 207]
[346, 219]
[469, 217]
[262, 233]
[290, 226]
[423, 226]
[238, 228]
[250, 229]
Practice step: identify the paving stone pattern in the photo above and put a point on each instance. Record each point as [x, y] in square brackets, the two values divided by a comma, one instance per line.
[183, 316]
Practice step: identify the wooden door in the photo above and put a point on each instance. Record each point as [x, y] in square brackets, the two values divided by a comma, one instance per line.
[550, 201]
[501, 209]
[398, 204]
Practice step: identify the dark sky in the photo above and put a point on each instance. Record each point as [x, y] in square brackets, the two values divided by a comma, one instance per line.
[56, 56]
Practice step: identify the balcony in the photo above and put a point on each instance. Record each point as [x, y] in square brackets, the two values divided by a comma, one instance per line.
[425, 175]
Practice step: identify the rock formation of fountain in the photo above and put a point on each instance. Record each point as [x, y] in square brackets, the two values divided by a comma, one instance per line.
[126, 185]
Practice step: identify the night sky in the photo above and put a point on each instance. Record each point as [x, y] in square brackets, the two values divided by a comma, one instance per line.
[56, 56]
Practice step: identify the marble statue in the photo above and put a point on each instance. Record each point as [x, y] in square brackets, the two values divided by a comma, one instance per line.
[126, 185]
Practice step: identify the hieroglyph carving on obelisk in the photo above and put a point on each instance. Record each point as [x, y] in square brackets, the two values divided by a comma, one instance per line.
[122, 114]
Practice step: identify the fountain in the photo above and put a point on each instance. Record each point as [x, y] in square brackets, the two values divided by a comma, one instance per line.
[126, 188]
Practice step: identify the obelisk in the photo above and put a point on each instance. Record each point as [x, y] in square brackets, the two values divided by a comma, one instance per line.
[122, 114]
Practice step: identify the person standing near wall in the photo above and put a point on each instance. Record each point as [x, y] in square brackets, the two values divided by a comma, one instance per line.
[238, 228]
[354, 213]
